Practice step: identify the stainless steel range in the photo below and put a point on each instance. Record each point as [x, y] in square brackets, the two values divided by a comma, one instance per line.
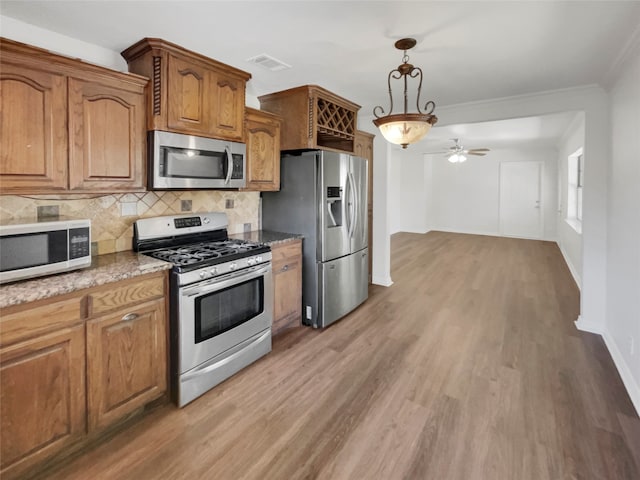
[221, 298]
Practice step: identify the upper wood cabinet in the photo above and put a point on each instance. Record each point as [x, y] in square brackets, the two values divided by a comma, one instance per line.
[67, 125]
[263, 150]
[364, 149]
[313, 118]
[33, 128]
[107, 135]
[190, 93]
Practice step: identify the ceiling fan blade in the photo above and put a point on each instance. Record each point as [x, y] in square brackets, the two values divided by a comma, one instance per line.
[442, 152]
[478, 150]
[480, 154]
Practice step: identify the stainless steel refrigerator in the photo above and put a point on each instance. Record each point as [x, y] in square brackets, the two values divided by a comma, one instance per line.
[323, 196]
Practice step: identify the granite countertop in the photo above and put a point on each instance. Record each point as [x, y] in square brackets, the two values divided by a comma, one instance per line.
[268, 237]
[104, 269]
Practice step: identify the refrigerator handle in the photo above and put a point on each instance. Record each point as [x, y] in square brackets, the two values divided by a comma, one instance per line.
[349, 206]
[354, 204]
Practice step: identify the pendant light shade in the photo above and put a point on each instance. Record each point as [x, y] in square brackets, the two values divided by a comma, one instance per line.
[405, 128]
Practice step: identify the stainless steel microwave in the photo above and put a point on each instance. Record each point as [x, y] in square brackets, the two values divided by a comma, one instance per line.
[181, 161]
[30, 249]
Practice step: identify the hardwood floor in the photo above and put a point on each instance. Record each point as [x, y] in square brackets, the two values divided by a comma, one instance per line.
[468, 367]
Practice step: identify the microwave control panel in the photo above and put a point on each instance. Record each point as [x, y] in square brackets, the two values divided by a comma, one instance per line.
[238, 166]
[79, 243]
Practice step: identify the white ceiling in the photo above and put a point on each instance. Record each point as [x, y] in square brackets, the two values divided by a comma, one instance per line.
[469, 51]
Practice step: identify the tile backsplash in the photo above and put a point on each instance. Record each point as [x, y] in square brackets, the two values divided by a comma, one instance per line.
[112, 215]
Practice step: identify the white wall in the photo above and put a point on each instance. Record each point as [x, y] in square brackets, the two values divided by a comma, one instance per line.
[61, 44]
[569, 240]
[465, 197]
[623, 252]
[409, 191]
[593, 100]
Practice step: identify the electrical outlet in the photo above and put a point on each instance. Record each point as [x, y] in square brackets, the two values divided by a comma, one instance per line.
[46, 211]
[247, 227]
[185, 205]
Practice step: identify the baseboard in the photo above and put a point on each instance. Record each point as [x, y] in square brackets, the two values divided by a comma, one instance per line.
[633, 389]
[587, 326]
[383, 281]
[467, 232]
[572, 269]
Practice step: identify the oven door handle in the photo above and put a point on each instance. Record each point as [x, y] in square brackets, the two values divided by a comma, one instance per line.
[226, 281]
[224, 361]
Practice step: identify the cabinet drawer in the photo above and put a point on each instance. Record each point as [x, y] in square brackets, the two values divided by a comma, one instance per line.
[136, 291]
[31, 320]
[284, 252]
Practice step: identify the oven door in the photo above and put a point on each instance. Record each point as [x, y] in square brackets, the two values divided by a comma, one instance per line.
[218, 314]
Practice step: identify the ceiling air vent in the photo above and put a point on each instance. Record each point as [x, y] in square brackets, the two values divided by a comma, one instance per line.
[268, 62]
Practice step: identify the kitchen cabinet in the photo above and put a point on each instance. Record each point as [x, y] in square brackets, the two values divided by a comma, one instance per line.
[74, 365]
[190, 93]
[263, 150]
[287, 285]
[313, 118]
[68, 125]
[364, 149]
[42, 382]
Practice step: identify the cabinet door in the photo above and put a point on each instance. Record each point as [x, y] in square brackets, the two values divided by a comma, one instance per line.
[42, 396]
[33, 130]
[107, 136]
[227, 107]
[127, 366]
[287, 285]
[263, 152]
[188, 97]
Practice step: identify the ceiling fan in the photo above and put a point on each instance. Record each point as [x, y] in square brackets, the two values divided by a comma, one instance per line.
[457, 153]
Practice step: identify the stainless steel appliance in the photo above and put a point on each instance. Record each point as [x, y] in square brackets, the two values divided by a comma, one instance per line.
[323, 195]
[221, 298]
[186, 161]
[33, 248]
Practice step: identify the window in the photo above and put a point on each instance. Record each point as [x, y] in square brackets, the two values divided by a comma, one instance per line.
[575, 178]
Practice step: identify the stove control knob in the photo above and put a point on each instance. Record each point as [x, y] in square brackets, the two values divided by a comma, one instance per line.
[251, 261]
[232, 266]
[259, 258]
[214, 270]
[203, 274]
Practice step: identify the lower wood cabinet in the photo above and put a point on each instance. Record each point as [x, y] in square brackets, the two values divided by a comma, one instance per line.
[73, 365]
[127, 365]
[42, 385]
[287, 285]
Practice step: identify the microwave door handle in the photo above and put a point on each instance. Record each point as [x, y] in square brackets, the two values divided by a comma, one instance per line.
[227, 151]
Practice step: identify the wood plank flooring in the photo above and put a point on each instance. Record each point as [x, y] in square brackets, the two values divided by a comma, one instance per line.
[468, 367]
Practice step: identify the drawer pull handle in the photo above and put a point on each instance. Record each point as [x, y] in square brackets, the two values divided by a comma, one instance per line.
[285, 268]
[129, 316]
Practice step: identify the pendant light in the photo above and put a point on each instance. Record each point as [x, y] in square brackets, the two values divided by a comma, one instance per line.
[405, 128]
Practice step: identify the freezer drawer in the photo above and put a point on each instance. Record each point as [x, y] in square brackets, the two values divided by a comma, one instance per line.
[342, 286]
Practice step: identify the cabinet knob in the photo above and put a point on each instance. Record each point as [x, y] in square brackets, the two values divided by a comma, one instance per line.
[129, 316]
[285, 268]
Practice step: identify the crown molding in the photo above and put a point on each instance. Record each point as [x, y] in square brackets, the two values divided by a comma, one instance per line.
[629, 51]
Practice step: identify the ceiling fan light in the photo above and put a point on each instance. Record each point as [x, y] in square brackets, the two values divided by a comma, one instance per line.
[404, 129]
[457, 158]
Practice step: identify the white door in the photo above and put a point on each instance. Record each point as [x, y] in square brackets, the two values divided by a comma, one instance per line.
[520, 199]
